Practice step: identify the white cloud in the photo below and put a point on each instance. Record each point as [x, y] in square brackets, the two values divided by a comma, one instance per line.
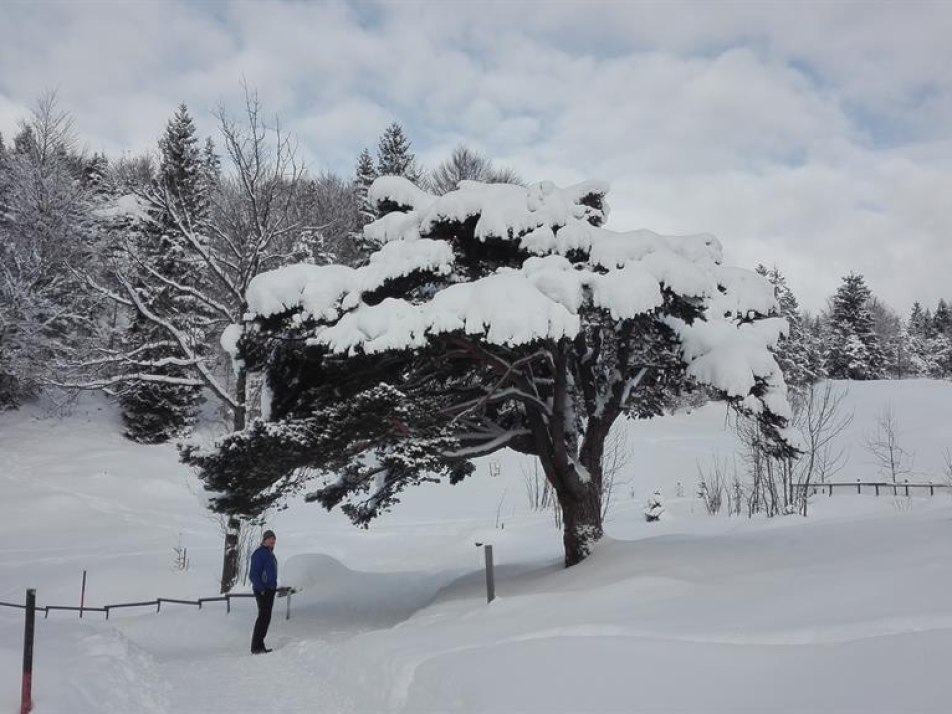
[804, 134]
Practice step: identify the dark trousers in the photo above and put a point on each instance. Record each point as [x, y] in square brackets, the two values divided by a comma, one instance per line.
[265, 602]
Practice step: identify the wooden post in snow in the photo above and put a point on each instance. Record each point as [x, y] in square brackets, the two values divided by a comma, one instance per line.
[82, 597]
[490, 575]
[26, 690]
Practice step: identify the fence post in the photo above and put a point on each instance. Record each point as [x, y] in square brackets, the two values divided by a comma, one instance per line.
[907, 486]
[490, 575]
[859, 486]
[877, 489]
[931, 489]
[82, 597]
[831, 490]
[26, 691]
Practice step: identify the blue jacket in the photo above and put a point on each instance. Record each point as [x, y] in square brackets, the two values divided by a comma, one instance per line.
[264, 570]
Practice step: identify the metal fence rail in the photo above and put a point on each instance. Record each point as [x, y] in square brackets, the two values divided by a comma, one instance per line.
[157, 604]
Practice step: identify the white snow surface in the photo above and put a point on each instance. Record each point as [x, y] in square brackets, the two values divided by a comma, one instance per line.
[847, 610]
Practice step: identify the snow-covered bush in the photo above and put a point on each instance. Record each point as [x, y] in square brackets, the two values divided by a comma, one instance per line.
[655, 507]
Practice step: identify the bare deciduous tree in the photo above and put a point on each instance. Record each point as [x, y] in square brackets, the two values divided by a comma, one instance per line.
[255, 223]
[783, 485]
[884, 445]
[465, 164]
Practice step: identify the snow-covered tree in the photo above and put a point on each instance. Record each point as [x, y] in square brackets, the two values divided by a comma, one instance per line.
[654, 507]
[494, 316]
[464, 164]
[166, 273]
[45, 233]
[853, 347]
[795, 352]
[942, 319]
[364, 176]
[394, 157]
[254, 224]
[332, 212]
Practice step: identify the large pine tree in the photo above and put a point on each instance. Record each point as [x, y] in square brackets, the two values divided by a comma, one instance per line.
[853, 348]
[495, 316]
[156, 411]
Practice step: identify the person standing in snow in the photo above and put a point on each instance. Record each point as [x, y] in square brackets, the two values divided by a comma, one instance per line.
[264, 584]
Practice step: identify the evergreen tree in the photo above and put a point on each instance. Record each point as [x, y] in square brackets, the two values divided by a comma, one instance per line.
[853, 348]
[365, 175]
[792, 351]
[942, 319]
[814, 337]
[394, 157]
[460, 338]
[210, 168]
[917, 320]
[95, 173]
[156, 411]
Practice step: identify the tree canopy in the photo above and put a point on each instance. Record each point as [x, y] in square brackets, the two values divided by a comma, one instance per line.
[492, 316]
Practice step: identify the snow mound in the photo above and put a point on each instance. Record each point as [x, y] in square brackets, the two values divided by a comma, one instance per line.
[304, 571]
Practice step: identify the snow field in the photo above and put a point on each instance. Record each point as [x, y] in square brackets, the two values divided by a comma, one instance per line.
[844, 611]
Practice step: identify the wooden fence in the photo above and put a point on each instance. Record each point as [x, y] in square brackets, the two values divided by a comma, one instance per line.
[895, 488]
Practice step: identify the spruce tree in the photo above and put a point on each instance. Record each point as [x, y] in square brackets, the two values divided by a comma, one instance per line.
[917, 320]
[793, 351]
[210, 168]
[365, 175]
[394, 157]
[942, 319]
[853, 348]
[156, 411]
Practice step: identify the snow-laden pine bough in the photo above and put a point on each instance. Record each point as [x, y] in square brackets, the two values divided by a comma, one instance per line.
[495, 316]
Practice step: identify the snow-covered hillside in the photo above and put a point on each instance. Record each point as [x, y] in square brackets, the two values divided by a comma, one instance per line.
[847, 610]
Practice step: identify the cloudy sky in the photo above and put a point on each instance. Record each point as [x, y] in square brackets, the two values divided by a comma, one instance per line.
[813, 136]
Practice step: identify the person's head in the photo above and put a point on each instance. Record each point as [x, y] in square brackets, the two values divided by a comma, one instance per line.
[268, 539]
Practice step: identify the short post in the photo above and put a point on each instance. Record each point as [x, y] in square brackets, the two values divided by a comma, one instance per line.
[26, 692]
[287, 616]
[82, 597]
[859, 486]
[831, 490]
[931, 489]
[877, 489]
[907, 486]
[490, 575]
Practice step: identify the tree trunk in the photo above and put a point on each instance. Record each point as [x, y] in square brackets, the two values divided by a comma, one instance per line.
[581, 522]
[231, 557]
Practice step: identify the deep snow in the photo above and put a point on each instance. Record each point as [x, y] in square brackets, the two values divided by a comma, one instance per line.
[847, 610]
